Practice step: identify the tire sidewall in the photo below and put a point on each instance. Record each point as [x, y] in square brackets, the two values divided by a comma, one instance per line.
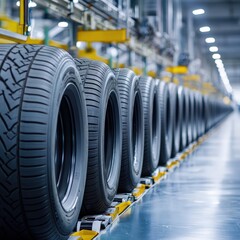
[109, 86]
[66, 73]
[134, 90]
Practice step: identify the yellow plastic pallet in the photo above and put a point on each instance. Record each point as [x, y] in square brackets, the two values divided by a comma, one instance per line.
[83, 235]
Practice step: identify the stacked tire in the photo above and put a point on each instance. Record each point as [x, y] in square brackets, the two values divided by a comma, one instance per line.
[167, 122]
[43, 143]
[132, 119]
[183, 93]
[74, 132]
[104, 135]
[152, 124]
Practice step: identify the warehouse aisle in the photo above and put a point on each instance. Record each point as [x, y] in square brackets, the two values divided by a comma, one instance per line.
[200, 200]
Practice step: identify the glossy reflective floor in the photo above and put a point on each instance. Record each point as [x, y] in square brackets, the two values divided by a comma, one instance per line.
[199, 200]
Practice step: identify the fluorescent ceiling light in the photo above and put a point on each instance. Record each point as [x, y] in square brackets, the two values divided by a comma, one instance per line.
[216, 56]
[225, 80]
[198, 11]
[223, 74]
[30, 4]
[221, 70]
[204, 29]
[63, 24]
[219, 64]
[218, 61]
[210, 40]
[75, 1]
[213, 49]
[220, 67]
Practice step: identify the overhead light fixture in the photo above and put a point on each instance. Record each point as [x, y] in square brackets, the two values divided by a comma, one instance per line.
[75, 1]
[216, 56]
[210, 40]
[222, 73]
[225, 80]
[220, 67]
[198, 11]
[204, 29]
[220, 64]
[218, 61]
[31, 4]
[63, 24]
[213, 49]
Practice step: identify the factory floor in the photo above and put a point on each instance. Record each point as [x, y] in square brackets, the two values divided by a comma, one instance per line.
[199, 200]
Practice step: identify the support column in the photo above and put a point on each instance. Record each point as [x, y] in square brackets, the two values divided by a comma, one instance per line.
[191, 35]
[144, 59]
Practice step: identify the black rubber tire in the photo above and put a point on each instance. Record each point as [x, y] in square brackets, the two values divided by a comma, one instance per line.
[199, 115]
[185, 112]
[195, 120]
[176, 107]
[152, 124]
[40, 199]
[205, 114]
[105, 135]
[190, 116]
[166, 123]
[132, 129]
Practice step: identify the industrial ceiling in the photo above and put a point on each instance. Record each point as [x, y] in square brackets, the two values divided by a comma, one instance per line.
[223, 17]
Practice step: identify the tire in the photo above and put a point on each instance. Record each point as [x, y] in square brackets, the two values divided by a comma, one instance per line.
[199, 115]
[195, 116]
[105, 135]
[185, 112]
[166, 123]
[206, 114]
[152, 124]
[176, 108]
[42, 103]
[190, 116]
[132, 129]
